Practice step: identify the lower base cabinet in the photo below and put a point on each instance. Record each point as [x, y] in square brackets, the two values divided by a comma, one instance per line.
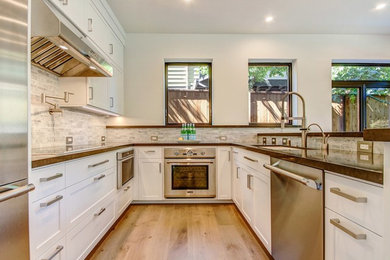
[56, 252]
[345, 240]
[124, 197]
[82, 238]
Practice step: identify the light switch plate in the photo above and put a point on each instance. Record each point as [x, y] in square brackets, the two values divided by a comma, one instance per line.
[264, 140]
[223, 138]
[273, 140]
[364, 146]
[154, 138]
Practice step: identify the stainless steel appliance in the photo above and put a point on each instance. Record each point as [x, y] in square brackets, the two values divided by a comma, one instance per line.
[125, 167]
[14, 237]
[59, 46]
[297, 211]
[189, 173]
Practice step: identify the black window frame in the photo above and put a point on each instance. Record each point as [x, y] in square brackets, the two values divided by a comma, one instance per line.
[209, 64]
[289, 89]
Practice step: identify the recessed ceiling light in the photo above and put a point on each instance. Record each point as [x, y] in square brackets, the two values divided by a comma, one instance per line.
[380, 6]
[63, 47]
[269, 19]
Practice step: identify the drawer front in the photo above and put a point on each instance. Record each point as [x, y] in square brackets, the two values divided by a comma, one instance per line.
[339, 244]
[124, 198]
[255, 161]
[83, 195]
[47, 180]
[79, 170]
[47, 221]
[150, 152]
[55, 252]
[357, 201]
[81, 240]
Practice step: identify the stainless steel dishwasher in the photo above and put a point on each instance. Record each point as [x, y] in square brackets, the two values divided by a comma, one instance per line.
[297, 211]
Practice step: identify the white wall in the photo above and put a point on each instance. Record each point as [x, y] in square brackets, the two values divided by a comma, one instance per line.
[144, 67]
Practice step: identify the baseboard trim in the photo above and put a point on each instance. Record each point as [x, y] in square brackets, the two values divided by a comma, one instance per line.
[181, 201]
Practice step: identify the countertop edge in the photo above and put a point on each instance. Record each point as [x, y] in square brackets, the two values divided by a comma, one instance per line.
[355, 172]
[380, 135]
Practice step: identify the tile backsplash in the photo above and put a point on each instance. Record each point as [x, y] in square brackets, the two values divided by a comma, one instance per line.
[51, 130]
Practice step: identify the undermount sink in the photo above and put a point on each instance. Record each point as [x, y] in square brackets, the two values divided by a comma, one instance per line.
[281, 147]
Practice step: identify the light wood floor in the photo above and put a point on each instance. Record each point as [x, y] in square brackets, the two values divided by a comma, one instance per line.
[180, 232]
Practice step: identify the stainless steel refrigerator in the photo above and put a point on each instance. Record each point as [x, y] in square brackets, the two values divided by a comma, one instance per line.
[14, 237]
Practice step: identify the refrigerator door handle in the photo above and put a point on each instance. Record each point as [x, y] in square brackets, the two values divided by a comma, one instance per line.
[16, 192]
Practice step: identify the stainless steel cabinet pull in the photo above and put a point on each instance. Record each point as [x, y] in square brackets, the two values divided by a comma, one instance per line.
[111, 48]
[160, 167]
[46, 179]
[237, 172]
[229, 156]
[100, 212]
[47, 204]
[337, 191]
[250, 159]
[127, 188]
[150, 151]
[65, 2]
[99, 178]
[97, 164]
[58, 250]
[16, 192]
[90, 25]
[308, 182]
[248, 181]
[90, 93]
[336, 223]
[111, 102]
[235, 152]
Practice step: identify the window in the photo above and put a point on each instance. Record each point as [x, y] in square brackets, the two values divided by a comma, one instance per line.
[360, 97]
[188, 93]
[268, 83]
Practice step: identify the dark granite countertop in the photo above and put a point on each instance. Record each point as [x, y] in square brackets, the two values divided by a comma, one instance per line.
[342, 162]
[380, 135]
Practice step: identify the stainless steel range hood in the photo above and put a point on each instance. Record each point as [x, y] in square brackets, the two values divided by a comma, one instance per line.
[58, 46]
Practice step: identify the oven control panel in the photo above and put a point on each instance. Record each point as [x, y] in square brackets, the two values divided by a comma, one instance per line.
[189, 152]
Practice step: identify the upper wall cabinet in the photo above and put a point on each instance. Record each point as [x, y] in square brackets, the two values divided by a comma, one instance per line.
[73, 9]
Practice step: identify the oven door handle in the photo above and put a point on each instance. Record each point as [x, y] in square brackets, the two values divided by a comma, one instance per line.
[186, 163]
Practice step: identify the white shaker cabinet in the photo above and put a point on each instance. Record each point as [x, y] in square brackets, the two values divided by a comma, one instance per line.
[150, 179]
[246, 184]
[224, 173]
[74, 10]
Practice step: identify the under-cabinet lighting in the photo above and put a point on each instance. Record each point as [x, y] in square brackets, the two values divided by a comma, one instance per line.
[92, 67]
[63, 47]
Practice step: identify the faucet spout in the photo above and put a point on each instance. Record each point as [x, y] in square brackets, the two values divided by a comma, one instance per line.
[324, 144]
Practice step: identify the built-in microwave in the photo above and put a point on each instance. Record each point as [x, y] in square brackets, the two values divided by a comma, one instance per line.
[125, 167]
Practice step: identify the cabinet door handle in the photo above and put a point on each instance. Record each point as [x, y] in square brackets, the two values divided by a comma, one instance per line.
[90, 93]
[99, 178]
[336, 223]
[97, 164]
[337, 191]
[111, 48]
[47, 204]
[150, 151]
[160, 167]
[46, 179]
[248, 181]
[111, 102]
[229, 156]
[100, 212]
[237, 172]
[58, 250]
[90, 28]
[250, 159]
[127, 188]
[64, 2]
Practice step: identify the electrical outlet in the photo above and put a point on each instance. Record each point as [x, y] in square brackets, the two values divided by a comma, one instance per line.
[273, 140]
[69, 140]
[223, 138]
[103, 138]
[264, 140]
[154, 138]
[364, 146]
[284, 141]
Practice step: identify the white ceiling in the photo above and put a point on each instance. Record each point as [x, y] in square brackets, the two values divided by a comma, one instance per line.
[248, 16]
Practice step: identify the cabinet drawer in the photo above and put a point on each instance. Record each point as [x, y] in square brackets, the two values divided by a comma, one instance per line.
[47, 221]
[150, 152]
[55, 252]
[357, 201]
[82, 196]
[254, 160]
[81, 239]
[339, 244]
[124, 198]
[79, 170]
[47, 180]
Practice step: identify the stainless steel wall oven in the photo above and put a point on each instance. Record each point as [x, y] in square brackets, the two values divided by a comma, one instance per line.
[189, 173]
[125, 169]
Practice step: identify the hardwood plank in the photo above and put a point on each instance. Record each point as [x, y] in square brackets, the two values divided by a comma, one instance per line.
[180, 232]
